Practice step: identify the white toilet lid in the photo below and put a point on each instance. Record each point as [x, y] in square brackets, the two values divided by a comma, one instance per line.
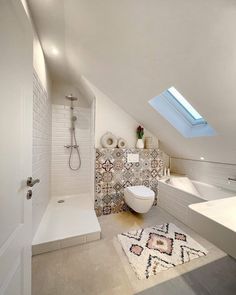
[141, 191]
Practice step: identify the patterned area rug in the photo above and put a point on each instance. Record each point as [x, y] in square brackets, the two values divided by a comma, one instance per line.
[158, 248]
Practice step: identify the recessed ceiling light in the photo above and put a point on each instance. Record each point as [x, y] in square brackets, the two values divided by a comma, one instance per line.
[202, 158]
[55, 51]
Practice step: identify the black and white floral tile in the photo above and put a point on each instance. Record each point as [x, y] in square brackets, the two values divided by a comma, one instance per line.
[114, 173]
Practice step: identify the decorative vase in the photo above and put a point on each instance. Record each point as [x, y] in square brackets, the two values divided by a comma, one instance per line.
[140, 144]
[148, 143]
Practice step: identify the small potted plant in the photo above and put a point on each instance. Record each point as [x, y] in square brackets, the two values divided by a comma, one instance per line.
[140, 133]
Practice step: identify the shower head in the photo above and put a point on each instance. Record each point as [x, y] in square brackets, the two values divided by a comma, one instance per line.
[71, 97]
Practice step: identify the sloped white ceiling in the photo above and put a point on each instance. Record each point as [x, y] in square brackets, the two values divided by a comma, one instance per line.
[133, 50]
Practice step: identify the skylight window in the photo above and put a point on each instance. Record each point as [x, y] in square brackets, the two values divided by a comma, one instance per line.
[181, 114]
[179, 97]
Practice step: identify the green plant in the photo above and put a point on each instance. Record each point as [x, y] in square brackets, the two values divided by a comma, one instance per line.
[140, 132]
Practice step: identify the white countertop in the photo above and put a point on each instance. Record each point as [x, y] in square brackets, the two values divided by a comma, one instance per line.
[222, 211]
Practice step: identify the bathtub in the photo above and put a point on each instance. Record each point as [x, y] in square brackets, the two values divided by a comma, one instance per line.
[178, 192]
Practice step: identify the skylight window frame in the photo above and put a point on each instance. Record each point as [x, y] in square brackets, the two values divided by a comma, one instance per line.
[185, 113]
[175, 113]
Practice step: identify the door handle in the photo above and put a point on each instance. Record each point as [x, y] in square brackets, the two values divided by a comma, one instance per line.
[31, 182]
[29, 195]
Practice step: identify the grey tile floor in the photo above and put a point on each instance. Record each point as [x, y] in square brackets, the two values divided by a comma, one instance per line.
[101, 267]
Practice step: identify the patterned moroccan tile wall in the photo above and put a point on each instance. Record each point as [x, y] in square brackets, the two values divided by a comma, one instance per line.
[114, 174]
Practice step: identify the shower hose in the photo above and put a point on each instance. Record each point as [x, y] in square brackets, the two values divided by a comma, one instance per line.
[72, 147]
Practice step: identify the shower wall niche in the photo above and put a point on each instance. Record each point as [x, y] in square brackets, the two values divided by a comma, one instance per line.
[66, 182]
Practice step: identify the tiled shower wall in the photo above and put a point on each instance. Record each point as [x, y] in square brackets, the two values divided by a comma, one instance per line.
[114, 173]
[209, 172]
[41, 156]
[65, 181]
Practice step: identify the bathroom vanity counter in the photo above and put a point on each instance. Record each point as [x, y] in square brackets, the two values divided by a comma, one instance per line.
[216, 221]
[222, 211]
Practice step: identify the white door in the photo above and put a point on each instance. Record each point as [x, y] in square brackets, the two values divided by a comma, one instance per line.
[15, 148]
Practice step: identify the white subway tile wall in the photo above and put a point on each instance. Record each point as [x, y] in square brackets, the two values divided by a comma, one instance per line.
[64, 180]
[41, 156]
[209, 172]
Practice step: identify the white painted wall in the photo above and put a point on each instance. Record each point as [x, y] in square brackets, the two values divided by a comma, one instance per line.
[26, 8]
[209, 172]
[110, 117]
[38, 55]
[133, 51]
[61, 89]
[40, 65]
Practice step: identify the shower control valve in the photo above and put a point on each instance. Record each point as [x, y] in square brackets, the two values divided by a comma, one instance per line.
[71, 146]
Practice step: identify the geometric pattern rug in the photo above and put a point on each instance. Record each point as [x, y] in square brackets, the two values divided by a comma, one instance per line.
[159, 248]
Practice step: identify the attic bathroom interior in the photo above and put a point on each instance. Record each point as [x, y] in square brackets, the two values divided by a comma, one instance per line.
[118, 147]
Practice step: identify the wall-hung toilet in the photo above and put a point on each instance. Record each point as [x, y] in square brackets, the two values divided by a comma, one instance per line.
[139, 198]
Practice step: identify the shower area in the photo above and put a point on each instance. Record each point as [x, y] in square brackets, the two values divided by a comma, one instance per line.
[69, 218]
